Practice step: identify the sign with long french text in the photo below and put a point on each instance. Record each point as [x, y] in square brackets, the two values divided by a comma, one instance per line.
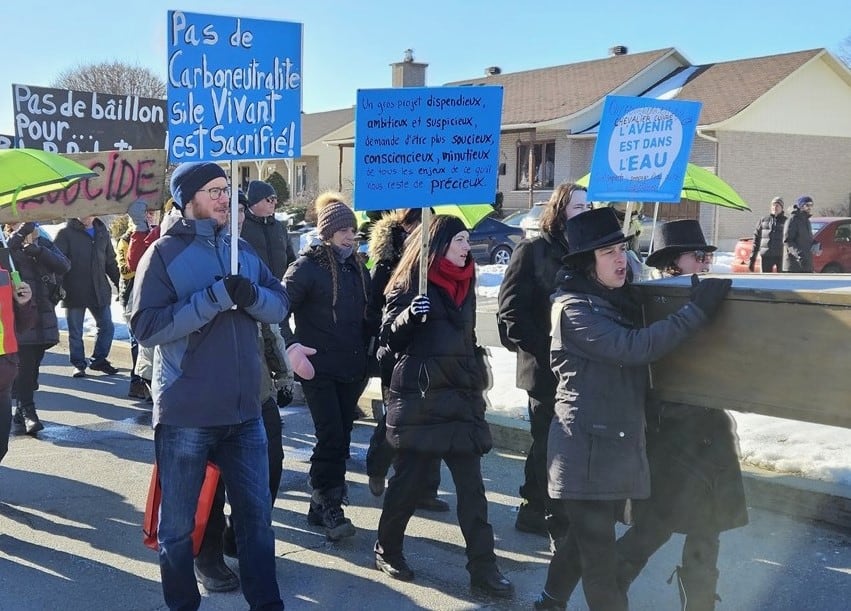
[425, 146]
[234, 88]
[642, 149]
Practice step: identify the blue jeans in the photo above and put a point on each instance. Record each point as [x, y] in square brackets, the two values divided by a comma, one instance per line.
[240, 452]
[103, 342]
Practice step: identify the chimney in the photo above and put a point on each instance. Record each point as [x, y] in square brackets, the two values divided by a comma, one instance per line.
[618, 50]
[408, 73]
[493, 71]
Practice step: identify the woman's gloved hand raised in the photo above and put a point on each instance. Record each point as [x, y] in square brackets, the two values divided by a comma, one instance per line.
[420, 307]
[707, 294]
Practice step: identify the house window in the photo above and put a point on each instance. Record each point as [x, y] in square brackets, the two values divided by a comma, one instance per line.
[300, 179]
[544, 163]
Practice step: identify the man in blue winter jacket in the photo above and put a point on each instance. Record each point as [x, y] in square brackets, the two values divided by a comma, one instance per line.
[202, 323]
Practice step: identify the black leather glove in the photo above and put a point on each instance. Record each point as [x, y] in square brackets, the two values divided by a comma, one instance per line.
[420, 307]
[708, 294]
[32, 250]
[241, 290]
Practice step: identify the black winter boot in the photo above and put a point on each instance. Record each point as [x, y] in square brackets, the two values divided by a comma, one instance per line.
[326, 510]
[696, 588]
[31, 422]
[18, 426]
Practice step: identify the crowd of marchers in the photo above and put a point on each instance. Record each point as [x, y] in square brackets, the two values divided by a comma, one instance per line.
[604, 448]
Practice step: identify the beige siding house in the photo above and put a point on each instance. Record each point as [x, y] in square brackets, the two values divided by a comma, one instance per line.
[775, 125]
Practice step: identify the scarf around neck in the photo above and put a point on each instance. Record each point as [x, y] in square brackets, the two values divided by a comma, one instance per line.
[451, 278]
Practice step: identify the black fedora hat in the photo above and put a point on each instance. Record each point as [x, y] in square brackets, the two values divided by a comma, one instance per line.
[592, 230]
[677, 237]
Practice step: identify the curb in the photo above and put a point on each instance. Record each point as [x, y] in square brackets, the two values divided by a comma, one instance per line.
[778, 492]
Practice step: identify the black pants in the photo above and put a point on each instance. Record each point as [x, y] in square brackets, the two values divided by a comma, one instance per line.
[405, 487]
[588, 552]
[332, 406]
[5, 421]
[768, 262]
[380, 455]
[534, 488]
[646, 536]
[29, 357]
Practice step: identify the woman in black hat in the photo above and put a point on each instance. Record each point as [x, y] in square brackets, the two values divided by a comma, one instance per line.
[596, 455]
[696, 479]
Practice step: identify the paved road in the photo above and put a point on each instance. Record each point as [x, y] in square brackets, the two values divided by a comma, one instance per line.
[71, 504]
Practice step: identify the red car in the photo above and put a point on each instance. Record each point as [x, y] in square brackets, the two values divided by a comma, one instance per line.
[831, 247]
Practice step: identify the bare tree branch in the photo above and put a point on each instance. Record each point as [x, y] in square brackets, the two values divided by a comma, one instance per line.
[844, 51]
[115, 78]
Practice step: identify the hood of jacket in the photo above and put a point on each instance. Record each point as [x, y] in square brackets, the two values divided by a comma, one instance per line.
[386, 239]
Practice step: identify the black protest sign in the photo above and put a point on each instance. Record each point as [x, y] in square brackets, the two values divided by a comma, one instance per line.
[65, 121]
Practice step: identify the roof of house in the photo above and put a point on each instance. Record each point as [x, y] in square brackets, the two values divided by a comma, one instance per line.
[539, 95]
[727, 88]
[316, 125]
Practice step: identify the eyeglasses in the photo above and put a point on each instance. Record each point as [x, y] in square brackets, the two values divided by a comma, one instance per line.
[216, 192]
[701, 256]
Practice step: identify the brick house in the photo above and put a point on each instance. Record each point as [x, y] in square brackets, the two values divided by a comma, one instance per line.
[774, 125]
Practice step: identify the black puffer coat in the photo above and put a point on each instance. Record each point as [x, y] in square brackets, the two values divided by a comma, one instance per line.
[797, 243]
[269, 238]
[93, 265]
[436, 404]
[48, 265]
[328, 301]
[524, 309]
[696, 480]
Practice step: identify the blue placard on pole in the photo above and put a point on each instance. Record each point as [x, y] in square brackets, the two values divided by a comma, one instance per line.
[642, 149]
[426, 146]
[234, 88]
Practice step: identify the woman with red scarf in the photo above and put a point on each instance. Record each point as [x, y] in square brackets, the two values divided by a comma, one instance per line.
[436, 405]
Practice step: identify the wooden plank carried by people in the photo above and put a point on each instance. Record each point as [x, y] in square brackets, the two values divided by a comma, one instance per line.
[419, 147]
[234, 92]
[122, 178]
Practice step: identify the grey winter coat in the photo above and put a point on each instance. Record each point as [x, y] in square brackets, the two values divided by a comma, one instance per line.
[93, 265]
[596, 445]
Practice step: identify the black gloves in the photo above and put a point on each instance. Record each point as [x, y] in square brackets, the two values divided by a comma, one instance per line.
[32, 250]
[420, 306]
[708, 294]
[241, 290]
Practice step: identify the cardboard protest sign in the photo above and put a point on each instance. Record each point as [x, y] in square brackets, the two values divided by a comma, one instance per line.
[642, 149]
[425, 146]
[65, 121]
[123, 177]
[234, 88]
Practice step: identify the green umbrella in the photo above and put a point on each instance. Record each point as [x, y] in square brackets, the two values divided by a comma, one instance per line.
[701, 185]
[27, 173]
[471, 214]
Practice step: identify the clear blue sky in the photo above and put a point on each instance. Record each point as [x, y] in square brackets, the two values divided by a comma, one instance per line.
[349, 44]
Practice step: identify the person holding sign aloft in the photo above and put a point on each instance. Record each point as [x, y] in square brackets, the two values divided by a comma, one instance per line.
[436, 404]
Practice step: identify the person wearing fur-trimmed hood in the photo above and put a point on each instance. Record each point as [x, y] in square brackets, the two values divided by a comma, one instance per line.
[328, 286]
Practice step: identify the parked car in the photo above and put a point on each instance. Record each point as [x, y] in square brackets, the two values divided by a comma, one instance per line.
[531, 223]
[831, 247]
[515, 218]
[492, 241]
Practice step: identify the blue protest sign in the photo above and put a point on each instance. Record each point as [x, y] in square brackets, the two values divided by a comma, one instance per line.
[425, 146]
[642, 149]
[234, 88]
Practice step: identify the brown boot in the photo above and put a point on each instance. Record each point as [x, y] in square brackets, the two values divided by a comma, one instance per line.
[31, 422]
